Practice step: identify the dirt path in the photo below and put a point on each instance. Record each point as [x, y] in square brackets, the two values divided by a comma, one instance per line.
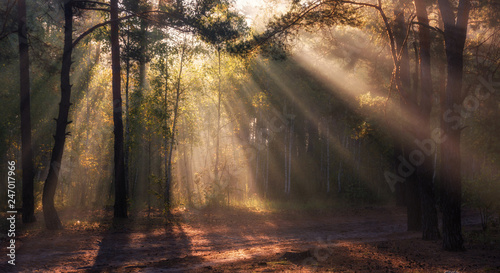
[204, 240]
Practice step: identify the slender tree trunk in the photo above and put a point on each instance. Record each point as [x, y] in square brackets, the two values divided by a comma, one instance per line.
[126, 155]
[27, 149]
[87, 106]
[430, 229]
[399, 187]
[49, 190]
[143, 60]
[166, 197]
[216, 168]
[285, 149]
[290, 145]
[257, 156]
[266, 179]
[172, 140]
[120, 209]
[191, 180]
[455, 34]
[339, 173]
[187, 173]
[149, 170]
[328, 154]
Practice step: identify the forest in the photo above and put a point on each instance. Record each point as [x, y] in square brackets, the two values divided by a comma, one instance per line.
[250, 136]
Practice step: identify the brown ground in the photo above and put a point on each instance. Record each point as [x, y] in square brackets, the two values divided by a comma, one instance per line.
[346, 240]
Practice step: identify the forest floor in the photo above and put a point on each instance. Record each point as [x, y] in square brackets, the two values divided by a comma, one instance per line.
[366, 239]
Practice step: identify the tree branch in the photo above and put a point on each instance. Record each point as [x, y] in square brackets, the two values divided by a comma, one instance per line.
[92, 2]
[363, 4]
[92, 29]
[386, 22]
[98, 9]
[267, 37]
[427, 26]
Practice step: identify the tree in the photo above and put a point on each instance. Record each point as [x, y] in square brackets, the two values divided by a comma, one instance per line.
[425, 171]
[50, 214]
[408, 102]
[52, 220]
[168, 171]
[120, 210]
[222, 27]
[27, 149]
[455, 34]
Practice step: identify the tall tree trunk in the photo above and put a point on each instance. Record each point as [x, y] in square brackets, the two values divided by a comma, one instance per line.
[340, 170]
[403, 82]
[148, 193]
[166, 197]
[172, 140]
[27, 149]
[328, 154]
[49, 190]
[266, 179]
[430, 229]
[216, 168]
[290, 145]
[187, 174]
[120, 208]
[143, 59]
[455, 34]
[126, 155]
[285, 150]
[399, 187]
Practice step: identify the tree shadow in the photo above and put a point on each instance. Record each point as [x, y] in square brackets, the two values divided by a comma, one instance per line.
[129, 246]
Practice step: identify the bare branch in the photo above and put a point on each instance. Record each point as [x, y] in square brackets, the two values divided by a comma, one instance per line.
[4, 33]
[386, 22]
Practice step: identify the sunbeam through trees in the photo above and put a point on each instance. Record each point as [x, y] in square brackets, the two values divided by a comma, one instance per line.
[260, 136]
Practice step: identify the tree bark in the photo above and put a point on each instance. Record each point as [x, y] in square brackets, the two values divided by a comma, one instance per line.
[126, 155]
[26, 146]
[49, 190]
[120, 208]
[430, 229]
[455, 34]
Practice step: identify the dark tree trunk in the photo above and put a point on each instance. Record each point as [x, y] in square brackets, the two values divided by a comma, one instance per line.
[409, 101]
[455, 33]
[430, 229]
[126, 155]
[120, 209]
[49, 190]
[27, 149]
[414, 210]
[399, 187]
